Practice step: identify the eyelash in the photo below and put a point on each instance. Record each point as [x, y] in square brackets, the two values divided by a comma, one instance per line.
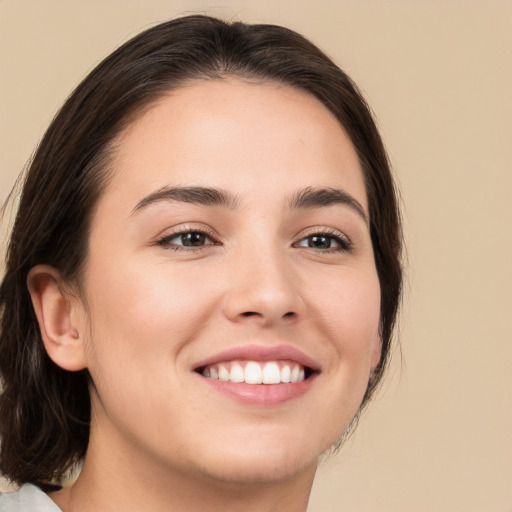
[344, 243]
[165, 241]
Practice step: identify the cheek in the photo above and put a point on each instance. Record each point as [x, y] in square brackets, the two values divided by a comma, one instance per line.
[348, 315]
[146, 314]
[140, 321]
[348, 308]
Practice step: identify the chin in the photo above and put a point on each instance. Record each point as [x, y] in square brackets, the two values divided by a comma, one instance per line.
[273, 461]
[261, 471]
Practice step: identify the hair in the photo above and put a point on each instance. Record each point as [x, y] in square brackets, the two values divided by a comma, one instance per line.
[45, 410]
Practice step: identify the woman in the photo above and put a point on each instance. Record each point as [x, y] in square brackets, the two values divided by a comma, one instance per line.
[202, 279]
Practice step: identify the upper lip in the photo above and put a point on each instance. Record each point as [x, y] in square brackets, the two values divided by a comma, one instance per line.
[260, 353]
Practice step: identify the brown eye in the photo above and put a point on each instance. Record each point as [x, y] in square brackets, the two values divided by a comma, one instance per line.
[320, 242]
[193, 239]
[187, 239]
[325, 242]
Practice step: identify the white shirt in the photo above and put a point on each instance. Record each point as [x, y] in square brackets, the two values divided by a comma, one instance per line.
[28, 498]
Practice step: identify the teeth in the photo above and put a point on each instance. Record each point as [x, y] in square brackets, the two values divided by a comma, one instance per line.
[271, 374]
[256, 373]
[223, 373]
[294, 377]
[236, 374]
[253, 373]
[285, 374]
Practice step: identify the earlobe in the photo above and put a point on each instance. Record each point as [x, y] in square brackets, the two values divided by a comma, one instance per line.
[54, 309]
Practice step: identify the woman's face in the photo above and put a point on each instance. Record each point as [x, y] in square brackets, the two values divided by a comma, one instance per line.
[230, 245]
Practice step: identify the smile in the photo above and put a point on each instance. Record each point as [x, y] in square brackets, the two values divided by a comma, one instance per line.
[259, 375]
[252, 372]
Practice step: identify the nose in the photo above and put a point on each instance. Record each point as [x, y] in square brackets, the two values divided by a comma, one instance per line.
[263, 289]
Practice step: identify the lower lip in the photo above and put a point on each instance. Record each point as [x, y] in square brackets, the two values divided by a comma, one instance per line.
[262, 394]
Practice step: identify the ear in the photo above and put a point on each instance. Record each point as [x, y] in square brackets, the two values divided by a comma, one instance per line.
[55, 310]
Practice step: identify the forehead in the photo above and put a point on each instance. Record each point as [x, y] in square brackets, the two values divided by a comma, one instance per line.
[262, 138]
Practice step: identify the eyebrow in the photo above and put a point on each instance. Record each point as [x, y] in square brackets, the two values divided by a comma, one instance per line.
[306, 198]
[318, 197]
[205, 196]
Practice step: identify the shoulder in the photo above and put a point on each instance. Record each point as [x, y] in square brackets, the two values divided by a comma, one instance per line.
[28, 498]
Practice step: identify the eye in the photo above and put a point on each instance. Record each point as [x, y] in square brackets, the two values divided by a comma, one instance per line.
[327, 242]
[187, 239]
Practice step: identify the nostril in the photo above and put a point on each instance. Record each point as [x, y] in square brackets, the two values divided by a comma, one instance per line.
[290, 314]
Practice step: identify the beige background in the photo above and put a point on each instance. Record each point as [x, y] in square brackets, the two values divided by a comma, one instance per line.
[439, 76]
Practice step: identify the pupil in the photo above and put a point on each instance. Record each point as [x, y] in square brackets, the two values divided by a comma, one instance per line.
[193, 239]
[319, 242]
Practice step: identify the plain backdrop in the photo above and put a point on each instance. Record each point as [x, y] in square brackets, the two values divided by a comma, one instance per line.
[438, 75]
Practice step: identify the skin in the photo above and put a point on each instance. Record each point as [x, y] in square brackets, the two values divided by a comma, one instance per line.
[148, 312]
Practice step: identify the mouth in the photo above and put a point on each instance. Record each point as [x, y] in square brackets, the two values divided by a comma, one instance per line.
[257, 372]
[260, 375]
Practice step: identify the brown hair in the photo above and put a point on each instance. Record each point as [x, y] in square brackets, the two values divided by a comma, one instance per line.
[44, 410]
